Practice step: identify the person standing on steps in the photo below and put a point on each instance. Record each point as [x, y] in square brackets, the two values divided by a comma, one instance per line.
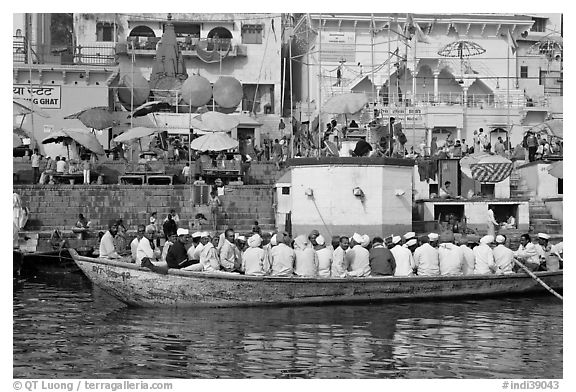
[214, 204]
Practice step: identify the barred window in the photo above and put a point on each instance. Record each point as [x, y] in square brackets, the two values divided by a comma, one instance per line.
[252, 33]
[105, 32]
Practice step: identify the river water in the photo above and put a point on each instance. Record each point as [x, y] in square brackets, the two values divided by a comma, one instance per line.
[66, 328]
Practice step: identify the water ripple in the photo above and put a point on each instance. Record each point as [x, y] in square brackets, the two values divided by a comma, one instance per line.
[65, 328]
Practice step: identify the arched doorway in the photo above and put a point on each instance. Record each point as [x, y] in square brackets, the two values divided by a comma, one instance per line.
[142, 31]
[495, 133]
[219, 38]
[143, 37]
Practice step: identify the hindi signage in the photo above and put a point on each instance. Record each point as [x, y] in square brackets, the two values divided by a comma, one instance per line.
[412, 114]
[338, 46]
[46, 97]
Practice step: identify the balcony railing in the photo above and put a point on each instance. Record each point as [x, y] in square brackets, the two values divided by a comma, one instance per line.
[67, 55]
[187, 45]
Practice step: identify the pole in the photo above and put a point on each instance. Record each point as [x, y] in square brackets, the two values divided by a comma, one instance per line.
[389, 84]
[372, 61]
[508, 94]
[291, 97]
[319, 82]
[308, 81]
[537, 279]
[414, 88]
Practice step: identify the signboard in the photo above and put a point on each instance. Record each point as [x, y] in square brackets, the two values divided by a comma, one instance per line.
[46, 97]
[338, 46]
[412, 114]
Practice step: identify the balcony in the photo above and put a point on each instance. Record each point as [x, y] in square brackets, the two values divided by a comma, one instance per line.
[189, 46]
[22, 53]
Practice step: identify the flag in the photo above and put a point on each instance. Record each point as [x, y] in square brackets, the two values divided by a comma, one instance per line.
[512, 42]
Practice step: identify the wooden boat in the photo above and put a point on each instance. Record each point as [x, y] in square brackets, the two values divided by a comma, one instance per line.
[139, 286]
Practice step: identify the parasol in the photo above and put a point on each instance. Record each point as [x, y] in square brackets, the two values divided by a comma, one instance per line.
[196, 91]
[551, 127]
[21, 108]
[134, 133]
[133, 89]
[80, 136]
[227, 92]
[95, 118]
[217, 121]
[556, 169]
[214, 141]
[348, 103]
[150, 107]
[461, 49]
[16, 141]
[491, 168]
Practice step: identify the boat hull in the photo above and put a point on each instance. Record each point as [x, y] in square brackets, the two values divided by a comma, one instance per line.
[139, 286]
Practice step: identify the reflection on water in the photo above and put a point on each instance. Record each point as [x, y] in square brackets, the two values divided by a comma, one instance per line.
[65, 328]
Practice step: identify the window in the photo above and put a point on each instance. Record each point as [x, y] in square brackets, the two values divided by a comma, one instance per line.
[539, 25]
[524, 72]
[252, 33]
[285, 190]
[105, 31]
[487, 190]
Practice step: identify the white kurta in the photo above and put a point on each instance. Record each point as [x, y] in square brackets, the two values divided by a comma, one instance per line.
[484, 260]
[426, 260]
[209, 258]
[338, 269]
[143, 250]
[195, 254]
[324, 262]
[451, 259]
[360, 264]
[306, 263]
[253, 262]
[283, 258]
[528, 253]
[404, 261]
[134, 248]
[468, 267]
[504, 259]
[107, 246]
[229, 255]
[167, 246]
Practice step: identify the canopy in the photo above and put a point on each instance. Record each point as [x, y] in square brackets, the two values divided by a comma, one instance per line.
[22, 107]
[150, 107]
[551, 127]
[214, 141]
[96, 118]
[217, 121]
[80, 136]
[491, 168]
[556, 169]
[134, 133]
[348, 103]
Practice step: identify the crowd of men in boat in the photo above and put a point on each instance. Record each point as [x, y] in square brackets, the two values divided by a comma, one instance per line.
[280, 255]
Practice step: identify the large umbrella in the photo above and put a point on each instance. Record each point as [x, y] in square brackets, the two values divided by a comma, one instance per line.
[196, 91]
[348, 103]
[16, 141]
[461, 49]
[551, 127]
[21, 108]
[214, 141]
[150, 107]
[227, 92]
[218, 121]
[491, 168]
[556, 169]
[80, 136]
[95, 118]
[135, 133]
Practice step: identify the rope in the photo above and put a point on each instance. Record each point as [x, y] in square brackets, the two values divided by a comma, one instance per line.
[537, 279]
[320, 215]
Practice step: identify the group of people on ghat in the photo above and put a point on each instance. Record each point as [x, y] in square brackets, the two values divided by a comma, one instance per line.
[278, 254]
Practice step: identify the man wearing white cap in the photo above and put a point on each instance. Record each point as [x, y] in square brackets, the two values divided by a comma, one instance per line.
[484, 257]
[282, 263]
[229, 253]
[204, 239]
[411, 245]
[542, 246]
[403, 257]
[450, 256]
[339, 266]
[503, 256]
[382, 262]
[254, 261]
[466, 245]
[527, 253]
[408, 236]
[208, 257]
[359, 256]
[177, 253]
[426, 257]
[306, 263]
[324, 257]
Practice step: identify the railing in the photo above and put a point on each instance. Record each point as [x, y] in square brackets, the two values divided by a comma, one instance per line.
[184, 43]
[70, 55]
